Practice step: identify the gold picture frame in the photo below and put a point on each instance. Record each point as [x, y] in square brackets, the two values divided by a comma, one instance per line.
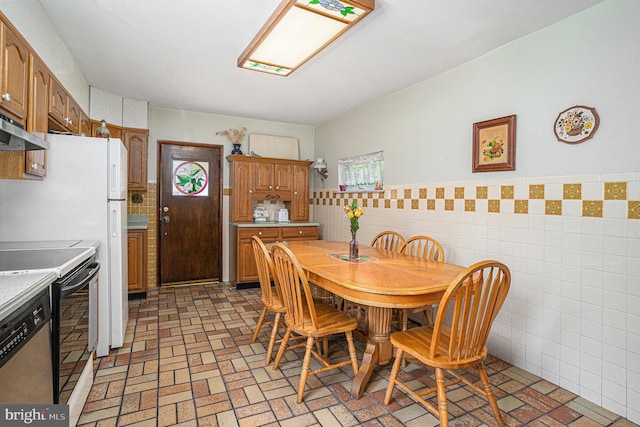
[494, 145]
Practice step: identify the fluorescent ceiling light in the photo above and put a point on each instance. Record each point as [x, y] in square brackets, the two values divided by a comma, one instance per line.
[297, 30]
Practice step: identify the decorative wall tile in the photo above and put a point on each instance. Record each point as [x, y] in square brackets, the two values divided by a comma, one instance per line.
[440, 193]
[407, 193]
[431, 204]
[400, 203]
[387, 203]
[415, 204]
[481, 192]
[521, 206]
[536, 191]
[592, 208]
[459, 193]
[506, 192]
[634, 209]
[469, 205]
[448, 204]
[615, 191]
[364, 203]
[375, 203]
[553, 207]
[572, 191]
[394, 194]
[422, 193]
[494, 206]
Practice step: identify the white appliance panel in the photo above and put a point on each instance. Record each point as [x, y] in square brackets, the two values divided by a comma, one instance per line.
[118, 270]
[72, 203]
[118, 173]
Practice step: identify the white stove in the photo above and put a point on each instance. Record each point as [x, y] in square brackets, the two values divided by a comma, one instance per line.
[57, 256]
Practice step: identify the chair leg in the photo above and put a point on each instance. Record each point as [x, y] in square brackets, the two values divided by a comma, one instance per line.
[352, 352]
[305, 368]
[394, 375]
[489, 393]
[283, 347]
[272, 339]
[442, 398]
[260, 322]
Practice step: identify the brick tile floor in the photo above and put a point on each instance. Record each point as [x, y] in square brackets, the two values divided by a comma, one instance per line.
[189, 360]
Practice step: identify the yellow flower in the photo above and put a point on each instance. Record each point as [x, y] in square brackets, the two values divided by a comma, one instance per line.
[588, 125]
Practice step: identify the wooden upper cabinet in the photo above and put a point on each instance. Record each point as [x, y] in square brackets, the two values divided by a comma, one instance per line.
[261, 178]
[136, 142]
[58, 100]
[242, 190]
[73, 116]
[85, 124]
[300, 198]
[15, 75]
[37, 122]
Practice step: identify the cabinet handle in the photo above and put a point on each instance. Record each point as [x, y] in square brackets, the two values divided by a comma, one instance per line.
[299, 231]
[6, 96]
[250, 191]
[259, 233]
[295, 192]
[34, 166]
[277, 187]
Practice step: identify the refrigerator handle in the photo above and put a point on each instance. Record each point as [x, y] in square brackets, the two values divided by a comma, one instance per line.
[114, 179]
[114, 223]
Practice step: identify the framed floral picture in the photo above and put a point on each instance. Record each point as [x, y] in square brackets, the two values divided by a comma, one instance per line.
[494, 145]
[576, 124]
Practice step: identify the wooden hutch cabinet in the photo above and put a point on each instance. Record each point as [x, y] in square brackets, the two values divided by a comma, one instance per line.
[137, 261]
[263, 179]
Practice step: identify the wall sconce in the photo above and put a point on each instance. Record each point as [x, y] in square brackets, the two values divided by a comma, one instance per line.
[321, 167]
[297, 30]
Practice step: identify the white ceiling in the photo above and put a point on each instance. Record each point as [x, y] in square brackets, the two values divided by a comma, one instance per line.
[182, 54]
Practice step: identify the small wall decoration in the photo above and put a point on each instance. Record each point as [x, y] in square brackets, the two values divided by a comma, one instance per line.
[494, 145]
[190, 178]
[576, 124]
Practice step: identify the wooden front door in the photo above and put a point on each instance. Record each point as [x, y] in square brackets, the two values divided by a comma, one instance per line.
[189, 212]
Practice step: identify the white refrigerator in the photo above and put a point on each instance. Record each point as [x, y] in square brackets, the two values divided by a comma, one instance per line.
[82, 197]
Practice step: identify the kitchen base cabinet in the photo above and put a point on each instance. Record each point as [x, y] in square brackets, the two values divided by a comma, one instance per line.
[137, 262]
[245, 269]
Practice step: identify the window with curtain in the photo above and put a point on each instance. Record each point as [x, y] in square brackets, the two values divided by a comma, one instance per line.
[363, 172]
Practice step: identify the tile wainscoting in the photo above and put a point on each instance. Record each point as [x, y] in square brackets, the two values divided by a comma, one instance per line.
[573, 246]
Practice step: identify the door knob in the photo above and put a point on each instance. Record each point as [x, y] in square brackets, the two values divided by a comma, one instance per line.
[166, 219]
[165, 209]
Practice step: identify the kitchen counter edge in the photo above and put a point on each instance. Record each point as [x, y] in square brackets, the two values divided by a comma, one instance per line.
[274, 224]
[18, 289]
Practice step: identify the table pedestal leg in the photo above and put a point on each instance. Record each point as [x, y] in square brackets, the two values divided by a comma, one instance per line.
[379, 349]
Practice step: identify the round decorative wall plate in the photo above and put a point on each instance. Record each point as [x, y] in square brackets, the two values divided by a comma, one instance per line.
[576, 124]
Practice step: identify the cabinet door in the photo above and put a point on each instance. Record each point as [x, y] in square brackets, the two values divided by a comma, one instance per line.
[242, 197]
[37, 120]
[15, 74]
[300, 197]
[137, 260]
[136, 142]
[283, 177]
[73, 116]
[263, 178]
[247, 270]
[85, 124]
[58, 100]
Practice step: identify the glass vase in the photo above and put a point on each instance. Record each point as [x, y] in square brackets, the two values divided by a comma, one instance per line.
[353, 247]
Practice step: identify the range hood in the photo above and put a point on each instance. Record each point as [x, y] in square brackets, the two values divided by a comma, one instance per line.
[14, 138]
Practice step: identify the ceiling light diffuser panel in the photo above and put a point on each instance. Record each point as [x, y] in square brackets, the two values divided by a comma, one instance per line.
[297, 30]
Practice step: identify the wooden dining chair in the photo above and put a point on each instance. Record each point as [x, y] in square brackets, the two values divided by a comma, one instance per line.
[270, 297]
[308, 318]
[388, 240]
[423, 247]
[458, 337]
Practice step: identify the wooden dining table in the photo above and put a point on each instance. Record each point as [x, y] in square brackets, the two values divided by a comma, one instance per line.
[379, 279]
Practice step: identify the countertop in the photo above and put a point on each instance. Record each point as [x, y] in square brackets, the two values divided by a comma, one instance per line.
[137, 222]
[17, 289]
[276, 224]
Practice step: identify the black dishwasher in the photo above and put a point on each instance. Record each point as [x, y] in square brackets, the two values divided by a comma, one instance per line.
[26, 371]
